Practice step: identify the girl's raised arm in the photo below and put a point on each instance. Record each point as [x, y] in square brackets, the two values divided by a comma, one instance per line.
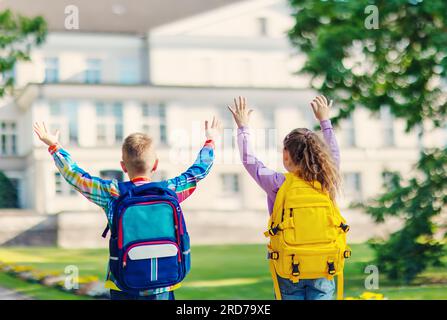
[321, 108]
[269, 180]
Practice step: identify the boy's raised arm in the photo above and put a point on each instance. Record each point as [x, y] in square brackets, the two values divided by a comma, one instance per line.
[95, 189]
[185, 184]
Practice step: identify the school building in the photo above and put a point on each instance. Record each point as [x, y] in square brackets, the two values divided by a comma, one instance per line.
[163, 68]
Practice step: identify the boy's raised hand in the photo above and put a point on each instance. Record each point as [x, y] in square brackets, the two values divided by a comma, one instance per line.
[241, 113]
[213, 131]
[321, 108]
[44, 135]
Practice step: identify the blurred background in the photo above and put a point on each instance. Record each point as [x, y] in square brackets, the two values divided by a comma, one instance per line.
[100, 70]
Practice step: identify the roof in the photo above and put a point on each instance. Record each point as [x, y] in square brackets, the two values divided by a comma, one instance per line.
[114, 16]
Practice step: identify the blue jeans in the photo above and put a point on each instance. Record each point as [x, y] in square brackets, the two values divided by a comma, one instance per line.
[308, 289]
[119, 295]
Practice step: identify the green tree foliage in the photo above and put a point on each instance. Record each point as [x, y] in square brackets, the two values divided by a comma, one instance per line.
[8, 193]
[401, 65]
[420, 200]
[17, 36]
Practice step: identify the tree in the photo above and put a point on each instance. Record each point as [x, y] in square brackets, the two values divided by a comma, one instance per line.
[17, 36]
[401, 65]
[8, 193]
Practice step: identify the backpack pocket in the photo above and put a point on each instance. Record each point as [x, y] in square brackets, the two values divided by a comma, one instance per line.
[311, 263]
[151, 264]
[310, 224]
[150, 220]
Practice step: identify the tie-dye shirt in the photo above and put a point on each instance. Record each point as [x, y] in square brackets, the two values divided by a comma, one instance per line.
[104, 192]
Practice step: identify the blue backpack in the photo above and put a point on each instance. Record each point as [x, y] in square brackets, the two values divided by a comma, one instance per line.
[149, 246]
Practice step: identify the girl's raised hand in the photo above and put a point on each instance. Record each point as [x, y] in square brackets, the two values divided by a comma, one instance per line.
[45, 136]
[241, 113]
[321, 108]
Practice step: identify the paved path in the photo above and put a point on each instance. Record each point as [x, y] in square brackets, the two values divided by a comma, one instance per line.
[6, 294]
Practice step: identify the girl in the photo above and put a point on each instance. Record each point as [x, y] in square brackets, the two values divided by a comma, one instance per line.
[307, 156]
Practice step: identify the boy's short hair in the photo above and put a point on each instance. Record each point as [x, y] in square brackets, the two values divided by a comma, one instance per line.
[138, 152]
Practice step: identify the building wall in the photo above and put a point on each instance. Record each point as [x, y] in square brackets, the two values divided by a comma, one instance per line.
[118, 55]
[221, 48]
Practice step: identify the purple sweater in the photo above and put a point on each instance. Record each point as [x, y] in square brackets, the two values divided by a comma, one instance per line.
[269, 180]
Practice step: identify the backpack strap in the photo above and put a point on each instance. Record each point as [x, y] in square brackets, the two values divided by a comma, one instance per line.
[123, 188]
[340, 286]
[106, 231]
[275, 280]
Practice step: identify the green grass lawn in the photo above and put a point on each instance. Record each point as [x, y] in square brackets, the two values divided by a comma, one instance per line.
[218, 272]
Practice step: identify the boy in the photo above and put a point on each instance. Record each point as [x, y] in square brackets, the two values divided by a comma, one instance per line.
[139, 162]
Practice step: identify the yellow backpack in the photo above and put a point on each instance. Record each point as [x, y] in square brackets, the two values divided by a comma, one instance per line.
[307, 235]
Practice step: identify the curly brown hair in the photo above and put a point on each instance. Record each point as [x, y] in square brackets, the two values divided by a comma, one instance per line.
[315, 163]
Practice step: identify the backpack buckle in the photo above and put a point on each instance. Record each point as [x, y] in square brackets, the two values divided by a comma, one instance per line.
[331, 268]
[347, 254]
[273, 231]
[295, 270]
[273, 255]
[344, 227]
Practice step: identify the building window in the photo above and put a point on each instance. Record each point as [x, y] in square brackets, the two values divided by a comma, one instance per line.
[8, 138]
[61, 187]
[17, 184]
[112, 175]
[349, 133]
[387, 177]
[64, 117]
[230, 184]
[154, 121]
[51, 70]
[353, 186]
[228, 134]
[55, 109]
[129, 71]
[270, 129]
[109, 127]
[93, 72]
[263, 26]
[387, 127]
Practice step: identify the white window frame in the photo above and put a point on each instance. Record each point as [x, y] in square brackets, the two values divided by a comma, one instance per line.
[61, 121]
[388, 132]
[93, 71]
[270, 129]
[154, 122]
[52, 70]
[109, 121]
[263, 26]
[61, 187]
[129, 71]
[350, 189]
[8, 138]
[349, 133]
[227, 190]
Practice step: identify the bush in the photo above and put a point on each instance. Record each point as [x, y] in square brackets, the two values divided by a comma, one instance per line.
[8, 193]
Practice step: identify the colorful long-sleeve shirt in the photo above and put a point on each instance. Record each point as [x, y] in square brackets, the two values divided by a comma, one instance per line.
[103, 192]
[269, 180]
